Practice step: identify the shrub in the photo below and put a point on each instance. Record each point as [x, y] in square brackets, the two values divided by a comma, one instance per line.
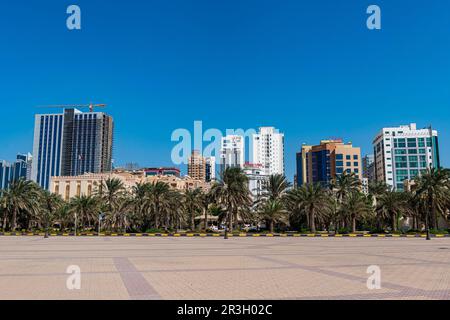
[155, 230]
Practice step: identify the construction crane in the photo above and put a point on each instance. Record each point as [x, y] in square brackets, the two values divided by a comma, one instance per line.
[91, 106]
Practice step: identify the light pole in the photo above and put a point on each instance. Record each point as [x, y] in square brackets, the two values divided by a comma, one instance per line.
[75, 224]
[99, 222]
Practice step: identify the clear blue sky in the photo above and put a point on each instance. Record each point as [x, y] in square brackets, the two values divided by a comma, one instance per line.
[310, 68]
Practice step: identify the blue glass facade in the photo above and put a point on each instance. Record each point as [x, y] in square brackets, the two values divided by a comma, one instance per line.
[10, 172]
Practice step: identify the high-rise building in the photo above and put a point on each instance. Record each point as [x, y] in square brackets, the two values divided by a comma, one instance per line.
[368, 167]
[404, 152]
[268, 150]
[71, 144]
[322, 163]
[210, 169]
[197, 166]
[231, 152]
[19, 169]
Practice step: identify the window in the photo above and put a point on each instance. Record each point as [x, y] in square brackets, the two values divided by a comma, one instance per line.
[412, 151]
[339, 170]
[339, 163]
[400, 158]
[356, 170]
[339, 156]
[412, 158]
[422, 151]
[413, 173]
[421, 142]
[348, 164]
[400, 151]
[347, 157]
[400, 143]
[356, 163]
[412, 143]
[355, 157]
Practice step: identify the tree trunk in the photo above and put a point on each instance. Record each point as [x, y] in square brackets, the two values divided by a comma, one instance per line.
[14, 220]
[205, 223]
[313, 223]
[353, 224]
[271, 226]
[394, 222]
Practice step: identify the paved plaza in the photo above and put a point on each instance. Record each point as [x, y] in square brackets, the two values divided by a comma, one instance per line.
[213, 268]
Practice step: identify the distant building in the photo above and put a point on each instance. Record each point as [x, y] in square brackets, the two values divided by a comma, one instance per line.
[19, 169]
[210, 169]
[403, 153]
[368, 167]
[231, 152]
[197, 166]
[322, 163]
[71, 143]
[268, 150]
[257, 178]
[88, 184]
[163, 171]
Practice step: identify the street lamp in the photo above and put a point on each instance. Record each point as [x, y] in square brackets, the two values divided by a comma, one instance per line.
[75, 223]
[100, 217]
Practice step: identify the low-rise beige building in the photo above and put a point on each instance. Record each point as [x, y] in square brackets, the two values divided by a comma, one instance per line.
[87, 184]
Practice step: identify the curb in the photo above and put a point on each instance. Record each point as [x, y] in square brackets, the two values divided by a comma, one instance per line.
[204, 235]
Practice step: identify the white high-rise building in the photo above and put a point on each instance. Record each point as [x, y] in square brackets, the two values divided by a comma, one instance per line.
[231, 152]
[210, 169]
[403, 152]
[268, 150]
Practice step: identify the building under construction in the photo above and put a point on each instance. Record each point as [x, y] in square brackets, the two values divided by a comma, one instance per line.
[71, 144]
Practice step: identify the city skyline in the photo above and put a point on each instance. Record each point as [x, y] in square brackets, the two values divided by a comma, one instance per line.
[312, 70]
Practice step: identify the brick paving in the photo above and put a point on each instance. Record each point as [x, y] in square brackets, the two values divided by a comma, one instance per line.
[213, 268]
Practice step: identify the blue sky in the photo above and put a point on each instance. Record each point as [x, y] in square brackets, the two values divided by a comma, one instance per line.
[310, 68]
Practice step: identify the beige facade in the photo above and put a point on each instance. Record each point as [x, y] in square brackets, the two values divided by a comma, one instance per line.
[71, 186]
[197, 166]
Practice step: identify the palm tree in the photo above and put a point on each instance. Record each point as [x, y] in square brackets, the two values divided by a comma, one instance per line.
[21, 197]
[85, 209]
[276, 187]
[118, 218]
[158, 201]
[111, 192]
[433, 187]
[231, 191]
[345, 184]
[389, 207]
[273, 211]
[311, 200]
[355, 206]
[50, 204]
[193, 204]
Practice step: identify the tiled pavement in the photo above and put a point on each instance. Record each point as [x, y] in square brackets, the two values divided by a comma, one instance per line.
[213, 268]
